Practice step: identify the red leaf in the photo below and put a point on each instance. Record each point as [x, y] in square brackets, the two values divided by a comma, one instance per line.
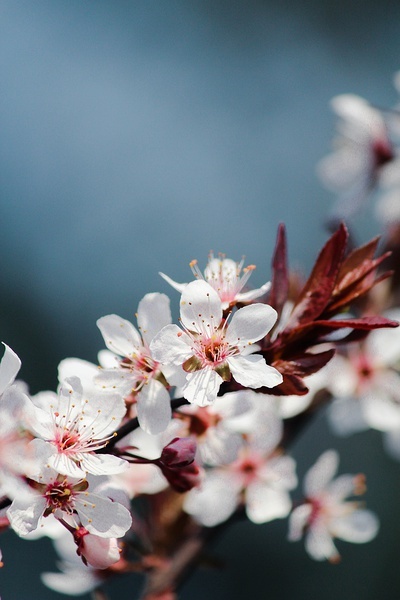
[305, 364]
[280, 275]
[319, 286]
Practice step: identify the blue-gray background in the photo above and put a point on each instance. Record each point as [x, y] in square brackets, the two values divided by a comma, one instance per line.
[135, 136]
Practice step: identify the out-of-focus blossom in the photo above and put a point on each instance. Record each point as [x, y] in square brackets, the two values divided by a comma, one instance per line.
[137, 372]
[365, 383]
[210, 350]
[326, 514]
[362, 150]
[224, 275]
[260, 479]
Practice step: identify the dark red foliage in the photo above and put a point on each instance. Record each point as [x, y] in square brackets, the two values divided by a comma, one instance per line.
[337, 281]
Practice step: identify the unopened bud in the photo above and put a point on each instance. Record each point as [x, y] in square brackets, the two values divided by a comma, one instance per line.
[180, 452]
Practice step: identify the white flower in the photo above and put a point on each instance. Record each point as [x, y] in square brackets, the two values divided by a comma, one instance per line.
[137, 372]
[366, 383]
[210, 350]
[67, 498]
[259, 479]
[362, 150]
[326, 515]
[73, 425]
[224, 275]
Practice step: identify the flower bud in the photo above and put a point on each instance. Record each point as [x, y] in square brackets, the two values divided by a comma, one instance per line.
[98, 552]
[180, 452]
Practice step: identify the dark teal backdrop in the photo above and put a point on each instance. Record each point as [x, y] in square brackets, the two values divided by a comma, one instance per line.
[136, 136]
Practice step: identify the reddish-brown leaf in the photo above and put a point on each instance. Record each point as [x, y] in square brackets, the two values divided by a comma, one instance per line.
[280, 275]
[305, 364]
[319, 287]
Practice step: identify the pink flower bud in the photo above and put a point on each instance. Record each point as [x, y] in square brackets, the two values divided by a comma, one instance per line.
[182, 479]
[98, 552]
[180, 452]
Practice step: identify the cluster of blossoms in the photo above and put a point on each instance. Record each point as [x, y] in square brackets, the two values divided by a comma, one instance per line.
[179, 429]
[198, 416]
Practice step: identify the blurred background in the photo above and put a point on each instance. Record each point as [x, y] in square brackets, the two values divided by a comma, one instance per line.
[136, 136]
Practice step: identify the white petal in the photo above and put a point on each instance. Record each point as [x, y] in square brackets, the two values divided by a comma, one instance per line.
[264, 503]
[177, 286]
[380, 410]
[83, 369]
[153, 314]
[73, 582]
[298, 521]
[321, 473]
[101, 516]
[215, 501]
[153, 407]
[171, 346]
[220, 447]
[346, 416]
[253, 372]
[202, 387]
[9, 366]
[358, 527]
[120, 336]
[102, 464]
[201, 308]
[24, 513]
[391, 442]
[250, 323]
[319, 544]
[253, 294]
[65, 465]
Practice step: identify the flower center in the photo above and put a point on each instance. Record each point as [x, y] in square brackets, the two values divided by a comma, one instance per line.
[60, 495]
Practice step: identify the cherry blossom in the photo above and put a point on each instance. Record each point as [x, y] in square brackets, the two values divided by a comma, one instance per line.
[210, 350]
[260, 478]
[365, 383]
[68, 499]
[224, 275]
[73, 425]
[326, 514]
[136, 371]
[362, 150]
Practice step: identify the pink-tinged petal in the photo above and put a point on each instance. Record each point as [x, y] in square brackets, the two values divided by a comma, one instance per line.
[319, 544]
[177, 286]
[25, 512]
[298, 521]
[153, 314]
[253, 294]
[100, 553]
[9, 366]
[321, 473]
[120, 336]
[102, 464]
[153, 407]
[101, 516]
[202, 387]
[201, 308]
[171, 346]
[103, 413]
[253, 372]
[250, 323]
[264, 503]
[215, 500]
